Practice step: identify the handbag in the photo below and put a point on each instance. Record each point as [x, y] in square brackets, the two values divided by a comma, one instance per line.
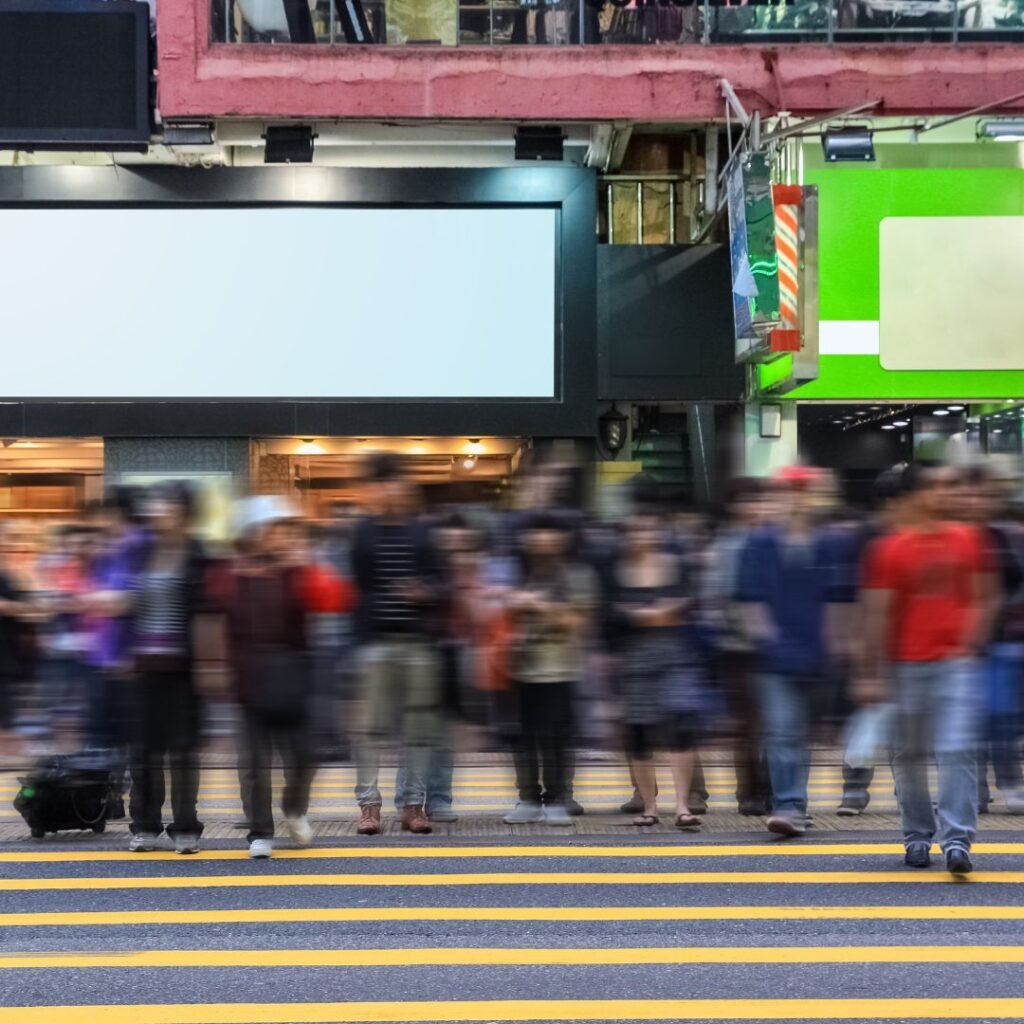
[281, 684]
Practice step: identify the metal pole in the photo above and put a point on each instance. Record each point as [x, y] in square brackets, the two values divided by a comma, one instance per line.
[331, 14]
[611, 214]
[671, 213]
[831, 21]
[956, 21]
[490, 19]
[705, 30]
[639, 213]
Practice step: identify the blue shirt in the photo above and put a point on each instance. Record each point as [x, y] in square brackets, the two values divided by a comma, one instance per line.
[796, 583]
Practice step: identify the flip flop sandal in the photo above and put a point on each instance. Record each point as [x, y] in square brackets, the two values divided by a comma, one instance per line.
[646, 820]
[688, 821]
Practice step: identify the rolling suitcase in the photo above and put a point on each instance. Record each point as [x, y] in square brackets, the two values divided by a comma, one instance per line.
[72, 792]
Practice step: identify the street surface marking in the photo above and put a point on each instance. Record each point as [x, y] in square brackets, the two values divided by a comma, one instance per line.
[516, 957]
[525, 1010]
[263, 881]
[414, 852]
[371, 915]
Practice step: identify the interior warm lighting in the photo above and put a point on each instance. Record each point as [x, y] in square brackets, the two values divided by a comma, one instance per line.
[474, 447]
[469, 463]
[309, 447]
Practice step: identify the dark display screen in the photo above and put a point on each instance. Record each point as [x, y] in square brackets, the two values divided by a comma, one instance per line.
[74, 74]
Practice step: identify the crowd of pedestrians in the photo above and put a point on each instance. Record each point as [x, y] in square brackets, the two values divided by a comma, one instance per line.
[774, 625]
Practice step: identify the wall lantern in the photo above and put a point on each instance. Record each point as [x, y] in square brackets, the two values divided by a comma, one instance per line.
[771, 420]
[613, 428]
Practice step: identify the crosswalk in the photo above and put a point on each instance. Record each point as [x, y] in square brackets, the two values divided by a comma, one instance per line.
[625, 926]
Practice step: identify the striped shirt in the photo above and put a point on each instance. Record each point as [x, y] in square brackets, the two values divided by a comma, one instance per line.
[394, 567]
[162, 619]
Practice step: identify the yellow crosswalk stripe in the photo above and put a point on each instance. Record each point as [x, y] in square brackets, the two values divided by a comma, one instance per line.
[368, 915]
[526, 1010]
[515, 957]
[636, 849]
[565, 878]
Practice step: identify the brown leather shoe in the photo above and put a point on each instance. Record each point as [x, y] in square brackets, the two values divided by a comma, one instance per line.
[369, 821]
[415, 821]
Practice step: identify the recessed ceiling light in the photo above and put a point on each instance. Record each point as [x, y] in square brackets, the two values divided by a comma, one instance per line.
[900, 423]
[888, 426]
[955, 408]
[838, 423]
[998, 430]
[941, 412]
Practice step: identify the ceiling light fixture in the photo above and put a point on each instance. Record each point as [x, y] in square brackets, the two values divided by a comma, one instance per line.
[309, 447]
[888, 426]
[941, 412]
[955, 408]
[848, 144]
[901, 423]
[1002, 129]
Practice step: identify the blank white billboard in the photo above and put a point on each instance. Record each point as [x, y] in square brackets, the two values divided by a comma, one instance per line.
[277, 302]
[951, 293]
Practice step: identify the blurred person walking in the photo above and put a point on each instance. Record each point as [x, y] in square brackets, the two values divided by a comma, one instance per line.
[159, 605]
[267, 597]
[649, 603]
[549, 612]
[733, 661]
[929, 607]
[790, 580]
[981, 503]
[398, 623]
[885, 519]
[14, 610]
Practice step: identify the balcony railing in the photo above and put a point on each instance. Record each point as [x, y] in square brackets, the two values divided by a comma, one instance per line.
[596, 22]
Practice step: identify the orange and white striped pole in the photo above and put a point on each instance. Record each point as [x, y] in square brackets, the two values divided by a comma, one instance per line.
[787, 200]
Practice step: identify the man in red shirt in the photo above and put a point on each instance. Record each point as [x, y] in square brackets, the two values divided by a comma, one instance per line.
[928, 611]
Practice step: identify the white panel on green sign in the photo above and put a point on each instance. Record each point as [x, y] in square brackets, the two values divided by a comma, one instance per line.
[951, 293]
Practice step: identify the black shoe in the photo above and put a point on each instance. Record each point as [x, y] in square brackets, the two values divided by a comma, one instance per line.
[958, 861]
[575, 809]
[788, 824]
[983, 808]
[753, 808]
[919, 855]
[698, 807]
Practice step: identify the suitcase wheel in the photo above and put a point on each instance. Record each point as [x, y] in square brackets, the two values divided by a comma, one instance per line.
[38, 833]
[100, 826]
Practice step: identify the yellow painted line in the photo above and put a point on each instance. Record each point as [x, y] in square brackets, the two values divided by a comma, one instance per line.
[518, 957]
[565, 878]
[370, 915]
[525, 1010]
[417, 852]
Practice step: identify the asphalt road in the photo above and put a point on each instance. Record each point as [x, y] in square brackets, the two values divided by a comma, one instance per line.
[626, 927]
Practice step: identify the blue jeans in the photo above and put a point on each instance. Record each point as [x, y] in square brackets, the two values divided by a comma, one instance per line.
[1000, 740]
[938, 714]
[786, 720]
[440, 770]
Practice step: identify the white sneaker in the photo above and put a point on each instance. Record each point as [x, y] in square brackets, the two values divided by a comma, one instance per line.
[557, 815]
[300, 830]
[186, 844]
[144, 842]
[524, 814]
[261, 849]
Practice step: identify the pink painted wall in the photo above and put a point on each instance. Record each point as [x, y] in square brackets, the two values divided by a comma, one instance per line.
[648, 83]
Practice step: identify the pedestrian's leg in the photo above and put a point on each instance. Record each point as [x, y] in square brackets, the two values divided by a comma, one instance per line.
[525, 752]
[784, 715]
[298, 766]
[698, 796]
[554, 735]
[148, 744]
[441, 770]
[257, 777]
[420, 695]
[374, 711]
[682, 762]
[183, 712]
[915, 700]
[955, 735]
[640, 753]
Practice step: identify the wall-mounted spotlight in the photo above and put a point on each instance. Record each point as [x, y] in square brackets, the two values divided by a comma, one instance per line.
[540, 142]
[288, 144]
[853, 143]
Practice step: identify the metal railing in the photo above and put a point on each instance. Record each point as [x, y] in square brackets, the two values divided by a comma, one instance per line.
[603, 22]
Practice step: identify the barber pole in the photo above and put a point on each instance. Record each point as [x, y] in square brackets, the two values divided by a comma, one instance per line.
[787, 199]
